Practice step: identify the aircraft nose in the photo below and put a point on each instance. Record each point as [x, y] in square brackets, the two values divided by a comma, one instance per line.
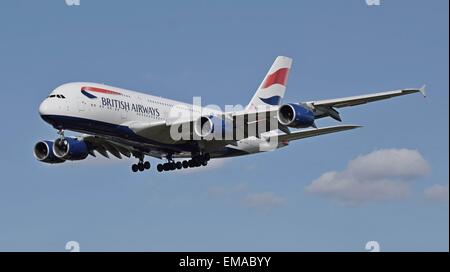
[44, 108]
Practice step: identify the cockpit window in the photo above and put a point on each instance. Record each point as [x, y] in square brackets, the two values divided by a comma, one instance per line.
[57, 96]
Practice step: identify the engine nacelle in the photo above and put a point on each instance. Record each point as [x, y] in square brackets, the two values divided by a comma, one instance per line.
[209, 127]
[70, 149]
[43, 151]
[295, 116]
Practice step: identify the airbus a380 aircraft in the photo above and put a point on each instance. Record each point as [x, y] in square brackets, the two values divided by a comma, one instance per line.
[126, 123]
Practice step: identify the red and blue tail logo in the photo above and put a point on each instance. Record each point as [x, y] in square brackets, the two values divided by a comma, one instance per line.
[279, 77]
[273, 87]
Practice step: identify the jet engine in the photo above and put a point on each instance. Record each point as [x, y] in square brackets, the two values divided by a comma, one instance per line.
[70, 149]
[43, 151]
[295, 116]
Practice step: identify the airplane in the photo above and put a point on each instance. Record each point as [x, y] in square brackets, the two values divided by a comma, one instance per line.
[120, 122]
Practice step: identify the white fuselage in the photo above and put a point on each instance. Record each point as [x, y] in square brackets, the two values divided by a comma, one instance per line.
[99, 109]
[116, 107]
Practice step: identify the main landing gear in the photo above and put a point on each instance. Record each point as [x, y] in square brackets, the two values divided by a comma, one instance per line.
[196, 161]
[61, 133]
[140, 166]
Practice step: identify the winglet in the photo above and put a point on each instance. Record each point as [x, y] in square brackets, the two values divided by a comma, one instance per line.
[423, 90]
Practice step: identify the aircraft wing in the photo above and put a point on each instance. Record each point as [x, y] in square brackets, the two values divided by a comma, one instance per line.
[325, 108]
[105, 146]
[313, 132]
[159, 131]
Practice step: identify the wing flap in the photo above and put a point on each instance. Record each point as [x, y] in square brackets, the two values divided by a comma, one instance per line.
[313, 132]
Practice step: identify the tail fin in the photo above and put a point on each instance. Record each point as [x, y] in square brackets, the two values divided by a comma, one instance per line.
[273, 87]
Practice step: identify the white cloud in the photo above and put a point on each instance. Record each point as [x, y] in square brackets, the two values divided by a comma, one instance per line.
[263, 200]
[438, 193]
[381, 175]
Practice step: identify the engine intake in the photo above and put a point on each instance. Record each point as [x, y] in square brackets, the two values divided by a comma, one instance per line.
[43, 151]
[70, 149]
[295, 116]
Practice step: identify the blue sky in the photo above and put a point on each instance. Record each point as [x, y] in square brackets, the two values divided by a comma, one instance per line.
[221, 51]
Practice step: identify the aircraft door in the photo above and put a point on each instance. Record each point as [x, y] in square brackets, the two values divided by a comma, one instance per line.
[81, 104]
[124, 114]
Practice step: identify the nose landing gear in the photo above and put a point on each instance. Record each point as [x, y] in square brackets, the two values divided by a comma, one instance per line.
[61, 133]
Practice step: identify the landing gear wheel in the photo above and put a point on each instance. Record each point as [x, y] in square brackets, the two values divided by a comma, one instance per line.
[207, 157]
[185, 164]
[179, 165]
[197, 162]
[191, 163]
[141, 167]
[166, 167]
[147, 165]
[134, 168]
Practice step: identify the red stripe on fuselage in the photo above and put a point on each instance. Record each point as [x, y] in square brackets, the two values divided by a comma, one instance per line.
[99, 90]
[278, 77]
